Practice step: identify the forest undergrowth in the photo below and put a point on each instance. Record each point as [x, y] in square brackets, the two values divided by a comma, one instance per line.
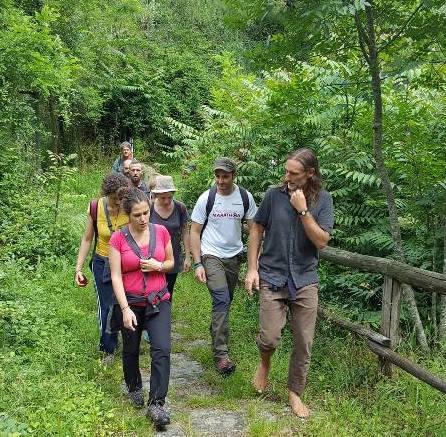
[52, 382]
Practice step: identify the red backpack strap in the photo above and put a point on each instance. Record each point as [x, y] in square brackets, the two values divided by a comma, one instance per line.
[94, 215]
[94, 218]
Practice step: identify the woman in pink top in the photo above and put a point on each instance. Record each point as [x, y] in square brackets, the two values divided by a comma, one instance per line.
[140, 255]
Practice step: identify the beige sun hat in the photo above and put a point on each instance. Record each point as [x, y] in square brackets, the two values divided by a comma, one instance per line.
[164, 184]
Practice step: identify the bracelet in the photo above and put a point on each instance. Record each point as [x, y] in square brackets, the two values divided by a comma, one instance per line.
[198, 264]
[128, 306]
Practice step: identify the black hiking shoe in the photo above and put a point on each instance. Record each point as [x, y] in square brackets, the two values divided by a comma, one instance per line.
[224, 366]
[137, 398]
[158, 415]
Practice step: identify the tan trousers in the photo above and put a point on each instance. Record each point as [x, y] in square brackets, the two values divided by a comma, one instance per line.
[303, 313]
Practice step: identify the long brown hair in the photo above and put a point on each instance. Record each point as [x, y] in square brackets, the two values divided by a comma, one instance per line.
[309, 161]
[130, 196]
[112, 183]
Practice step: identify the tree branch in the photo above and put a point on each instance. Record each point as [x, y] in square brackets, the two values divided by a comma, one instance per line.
[362, 37]
[403, 28]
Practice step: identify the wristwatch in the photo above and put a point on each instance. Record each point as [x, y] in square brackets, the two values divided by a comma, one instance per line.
[303, 213]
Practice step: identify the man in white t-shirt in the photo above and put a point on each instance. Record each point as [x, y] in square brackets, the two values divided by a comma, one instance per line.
[216, 244]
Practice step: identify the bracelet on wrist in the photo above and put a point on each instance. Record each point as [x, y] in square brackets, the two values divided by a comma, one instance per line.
[198, 264]
[128, 306]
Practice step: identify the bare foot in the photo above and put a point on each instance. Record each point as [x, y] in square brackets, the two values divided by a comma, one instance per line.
[260, 380]
[297, 406]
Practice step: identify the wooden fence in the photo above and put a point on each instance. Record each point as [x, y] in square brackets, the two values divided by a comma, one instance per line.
[395, 275]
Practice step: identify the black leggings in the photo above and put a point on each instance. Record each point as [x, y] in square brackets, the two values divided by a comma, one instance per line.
[158, 327]
[171, 279]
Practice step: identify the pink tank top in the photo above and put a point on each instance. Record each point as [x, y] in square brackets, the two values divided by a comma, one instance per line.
[132, 276]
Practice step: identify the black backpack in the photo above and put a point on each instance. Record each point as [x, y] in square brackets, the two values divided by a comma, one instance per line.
[211, 200]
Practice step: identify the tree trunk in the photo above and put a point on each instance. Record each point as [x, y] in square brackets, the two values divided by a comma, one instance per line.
[367, 41]
[54, 126]
[442, 324]
[434, 303]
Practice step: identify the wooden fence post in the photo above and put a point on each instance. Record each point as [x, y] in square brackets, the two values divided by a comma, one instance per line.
[390, 318]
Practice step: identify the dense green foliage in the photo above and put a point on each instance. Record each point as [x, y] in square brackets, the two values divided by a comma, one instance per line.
[304, 84]
[75, 72]
[197, 79]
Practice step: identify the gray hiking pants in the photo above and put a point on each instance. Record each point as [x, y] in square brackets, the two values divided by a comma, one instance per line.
[222, 277]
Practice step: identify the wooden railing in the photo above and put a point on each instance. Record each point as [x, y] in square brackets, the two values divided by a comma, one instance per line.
[395, 274]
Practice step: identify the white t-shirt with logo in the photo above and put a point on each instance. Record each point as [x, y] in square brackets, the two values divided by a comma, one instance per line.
[222, 236]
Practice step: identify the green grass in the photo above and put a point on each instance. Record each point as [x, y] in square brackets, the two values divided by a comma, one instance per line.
[51, 379]
[344, 390]
[52, 383]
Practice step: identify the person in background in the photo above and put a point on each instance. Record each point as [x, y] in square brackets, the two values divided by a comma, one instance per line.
[216, 244]
[126, 167]
[126, 153]
[136, 173]
[140, 256]
[295, 220]
[172, 214]
[104, 217]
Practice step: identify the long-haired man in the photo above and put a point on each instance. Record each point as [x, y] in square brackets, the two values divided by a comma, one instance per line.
[296, 219]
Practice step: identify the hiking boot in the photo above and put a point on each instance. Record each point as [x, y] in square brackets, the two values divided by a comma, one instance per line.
[137, 398]
[158, 415]
[107, 359]
[224, 366]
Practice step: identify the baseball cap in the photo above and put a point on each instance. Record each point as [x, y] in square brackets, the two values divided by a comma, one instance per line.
[225, 164]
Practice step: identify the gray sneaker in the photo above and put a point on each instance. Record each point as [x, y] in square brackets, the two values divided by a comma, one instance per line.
[137, 398]
[158, 415]
[107, 359]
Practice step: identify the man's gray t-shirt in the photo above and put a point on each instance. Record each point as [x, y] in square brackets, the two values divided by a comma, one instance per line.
[286, 248]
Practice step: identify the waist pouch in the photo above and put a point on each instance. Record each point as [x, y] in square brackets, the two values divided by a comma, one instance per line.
[114, 318]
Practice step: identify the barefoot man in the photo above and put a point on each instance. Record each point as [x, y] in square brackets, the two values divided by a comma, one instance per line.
[296, 219]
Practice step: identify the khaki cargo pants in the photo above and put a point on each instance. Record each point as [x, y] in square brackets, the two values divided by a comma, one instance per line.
[222, 277]
[272, 318]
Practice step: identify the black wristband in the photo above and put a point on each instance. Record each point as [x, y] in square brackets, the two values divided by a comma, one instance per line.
[198, 264]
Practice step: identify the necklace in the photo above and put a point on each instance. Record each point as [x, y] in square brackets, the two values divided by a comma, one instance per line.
[113, 226]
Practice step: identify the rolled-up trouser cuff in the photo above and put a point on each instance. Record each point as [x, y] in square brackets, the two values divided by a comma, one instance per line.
[264, 347]
[297, 387]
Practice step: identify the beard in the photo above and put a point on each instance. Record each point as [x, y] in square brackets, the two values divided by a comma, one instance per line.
[295, 186]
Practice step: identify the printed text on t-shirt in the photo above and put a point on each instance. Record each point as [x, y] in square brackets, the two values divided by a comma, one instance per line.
[226, 214]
